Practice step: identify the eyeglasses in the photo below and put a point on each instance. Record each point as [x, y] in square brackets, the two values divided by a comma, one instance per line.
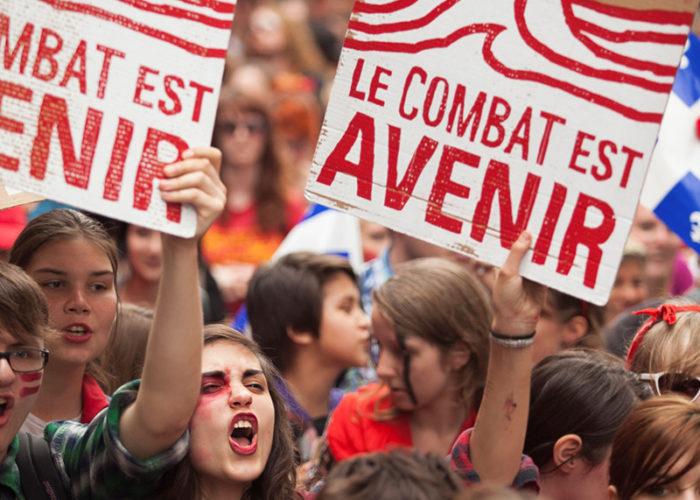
[252, 127]
[26, 359]
[678, 383]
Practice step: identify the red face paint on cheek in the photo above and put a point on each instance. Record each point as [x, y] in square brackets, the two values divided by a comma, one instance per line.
[28, 391]
[30, 377]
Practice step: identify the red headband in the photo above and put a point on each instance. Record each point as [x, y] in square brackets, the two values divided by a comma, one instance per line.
[665, 312]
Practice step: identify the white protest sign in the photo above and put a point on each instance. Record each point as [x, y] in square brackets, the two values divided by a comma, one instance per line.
[96, 96]
[464, 122]
[11, 197]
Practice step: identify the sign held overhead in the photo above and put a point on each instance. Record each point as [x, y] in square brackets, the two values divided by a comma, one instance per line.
[464, 123]
[97, 96]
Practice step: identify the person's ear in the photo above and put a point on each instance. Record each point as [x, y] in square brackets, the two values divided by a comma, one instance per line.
[574, 330]
[564, 452]
[458, 356]
[300, 337]
[612, 493]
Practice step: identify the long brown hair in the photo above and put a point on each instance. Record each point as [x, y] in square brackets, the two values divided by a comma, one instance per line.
[278, 479]
[444, 304]
[65, 224]
[657, 444]
[270, 194]
[23, 310]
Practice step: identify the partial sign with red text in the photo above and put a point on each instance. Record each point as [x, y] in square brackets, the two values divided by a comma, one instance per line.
[96, 96]
[465, 122]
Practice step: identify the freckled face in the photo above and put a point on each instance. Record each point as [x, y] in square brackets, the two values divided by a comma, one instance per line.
[233, 425]
[18, 392]
[77, 279]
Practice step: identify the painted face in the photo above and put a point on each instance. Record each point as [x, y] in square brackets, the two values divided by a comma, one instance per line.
[77, 279]
[344, 332]
[233, 425]
[685, 488]
[428, 375]
[630, 287]
[17, 392]
[241, 137]
[145, 253]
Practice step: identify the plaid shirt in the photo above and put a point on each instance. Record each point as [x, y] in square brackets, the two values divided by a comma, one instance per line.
[92, 460]
[527, 477]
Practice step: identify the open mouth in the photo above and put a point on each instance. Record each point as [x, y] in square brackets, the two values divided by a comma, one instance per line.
[6, 404]
[77, 333]
[244, 434]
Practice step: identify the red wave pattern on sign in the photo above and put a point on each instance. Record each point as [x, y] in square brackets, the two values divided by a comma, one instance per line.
[161, 35]
[493, 30]
[221, 7]
[178, 13]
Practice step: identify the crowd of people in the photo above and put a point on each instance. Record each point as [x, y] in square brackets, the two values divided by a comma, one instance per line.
[423, 375]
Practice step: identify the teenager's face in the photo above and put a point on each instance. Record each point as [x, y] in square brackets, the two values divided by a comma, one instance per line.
[144, 252]
[17, 392]
[344, 332]
[428, 375]
[242, 138]
[549, 335]
[77, 279]
[233, 425]
[660, 243]
[685, 488]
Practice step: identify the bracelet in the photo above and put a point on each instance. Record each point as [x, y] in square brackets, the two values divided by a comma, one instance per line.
[517, 342]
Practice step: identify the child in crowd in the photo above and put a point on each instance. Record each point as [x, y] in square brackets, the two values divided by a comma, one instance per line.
[656, 453]
[392, 475]
[567, 322]
[305, 313]
[630, 287]
[74, 261]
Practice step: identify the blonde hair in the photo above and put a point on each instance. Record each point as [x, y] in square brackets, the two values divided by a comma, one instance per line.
[444, 304]
[671, 348]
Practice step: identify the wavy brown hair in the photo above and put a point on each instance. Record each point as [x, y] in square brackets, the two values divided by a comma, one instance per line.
[270, 194]
[278, 479]
[443, 303]
[23, 310]
[656, 446]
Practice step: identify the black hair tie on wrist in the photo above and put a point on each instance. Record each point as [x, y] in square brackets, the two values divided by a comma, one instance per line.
[500, 336]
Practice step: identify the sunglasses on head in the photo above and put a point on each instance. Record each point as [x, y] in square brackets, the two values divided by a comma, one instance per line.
[678, 383]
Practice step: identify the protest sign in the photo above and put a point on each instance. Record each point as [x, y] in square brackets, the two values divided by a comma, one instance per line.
[11, 198]
[464, 122]
[96, 96]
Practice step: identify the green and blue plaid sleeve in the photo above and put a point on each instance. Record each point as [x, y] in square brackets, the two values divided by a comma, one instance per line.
[94, 462]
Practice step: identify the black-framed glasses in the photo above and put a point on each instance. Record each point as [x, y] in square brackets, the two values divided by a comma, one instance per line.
[253, 127]
[26, 359]
[678, 383]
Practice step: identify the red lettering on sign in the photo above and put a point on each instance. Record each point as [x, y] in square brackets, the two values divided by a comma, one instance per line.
[497, 179]
[115, 172]
[521, 136]
[397, 194]
[473, 117]
[549, 224]
[356, 75]
[494, 121]
[150, 167]
[579, 151]
[54, 115]
[377, 84]
[592, 237]
[430, 99]
[632, 155]
[176, 104]
[13, 91]
[337, 160]
[201, 91]
[544, 143]
[78, 59]
[21, 47]
[422, 75]
[141, 85]
[109, 53]
[444, 184]
[46, 52]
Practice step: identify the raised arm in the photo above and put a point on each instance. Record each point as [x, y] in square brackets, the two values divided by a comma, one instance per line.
[172, 367]
[499, 434]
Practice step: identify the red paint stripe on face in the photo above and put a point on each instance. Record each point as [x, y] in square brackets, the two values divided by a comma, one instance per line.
[28, 391]
[30, 377]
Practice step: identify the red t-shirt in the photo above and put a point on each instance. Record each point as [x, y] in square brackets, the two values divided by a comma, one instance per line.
[353, 429]
[94, 399]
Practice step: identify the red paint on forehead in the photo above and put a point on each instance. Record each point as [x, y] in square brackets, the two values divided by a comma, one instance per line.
[30, 377]
[28, 391]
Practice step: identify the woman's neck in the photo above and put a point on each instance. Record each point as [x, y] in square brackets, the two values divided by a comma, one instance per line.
[310, 382]
[219, 489]
[435, 427]
[60, 396]
[140, 292]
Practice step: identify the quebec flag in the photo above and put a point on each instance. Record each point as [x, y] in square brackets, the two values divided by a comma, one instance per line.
[672, 187]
